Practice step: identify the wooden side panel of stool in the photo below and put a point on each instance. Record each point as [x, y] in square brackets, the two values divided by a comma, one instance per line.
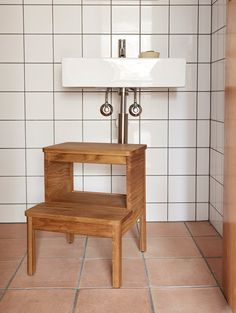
[136, 186]
[58, 180]
[31, 259]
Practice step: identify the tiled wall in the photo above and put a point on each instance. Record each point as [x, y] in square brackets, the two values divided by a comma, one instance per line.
[217, 113]
[36, 111]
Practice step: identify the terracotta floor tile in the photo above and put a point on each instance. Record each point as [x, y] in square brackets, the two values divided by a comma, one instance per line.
[102, 248]
[216, 266]
[50, 272]
[113, 300]
[97, 273]
[13, 231]
[167, 229]
[35, 301]
[210, 246]
[189, 300]
[12, 249]
[179, 272]
[7, 269]
[201, 229]
[171, 247]
[59, 247]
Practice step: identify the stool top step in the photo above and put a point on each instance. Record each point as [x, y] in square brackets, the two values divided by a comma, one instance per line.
[95, 148]
[78, 212]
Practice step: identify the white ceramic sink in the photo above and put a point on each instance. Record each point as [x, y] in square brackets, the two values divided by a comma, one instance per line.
[123, 72]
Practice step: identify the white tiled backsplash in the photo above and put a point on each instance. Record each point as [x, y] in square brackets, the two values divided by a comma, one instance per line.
[175, 124]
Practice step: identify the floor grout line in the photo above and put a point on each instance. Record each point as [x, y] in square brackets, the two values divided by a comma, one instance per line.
[205, 259]
[13, 276]
[79, 276]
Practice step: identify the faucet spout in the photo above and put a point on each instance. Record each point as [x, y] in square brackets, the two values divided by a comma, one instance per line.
[122, 48]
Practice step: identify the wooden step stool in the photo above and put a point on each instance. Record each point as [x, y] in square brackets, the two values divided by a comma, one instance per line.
[90, 213]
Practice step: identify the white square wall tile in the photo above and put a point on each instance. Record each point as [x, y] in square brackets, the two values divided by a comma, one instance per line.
[154, 133]
[38, 48]
[182, 133]
[203, 161]
[12, 162]
[204, 77]
[182, 189]
[218, 15]
[8, 14]
[184, 46]
[205, 19]
[125, 19]
[97, 131]
[182, 105]
[39, 77]
[181, 212]
[95, 46]
[218, 76]
[154, 19]
[14, 134]
[156, 162]
[203, 134]
[12, 213]
[154, 105]
[133, 132]
[204, 104]
[35, 189]
[203, 188]
[67, 19]
[39, 105]
[216, 220]
[155, 42]
[33, 17]
[68, 105]
[92, 103]
[183, 19]
[12, 106]
[39, 134]
[67, 45]
[11, 48]
[204, 48]
[96, 19]
[156, 188]
[12, 190]
[68, 131]
[218, 106]
[11, 77]
[97, 184]
[35, 162]
[119, 184]
[202, 211]
[156, 212]
[191, 79]
[182, 161]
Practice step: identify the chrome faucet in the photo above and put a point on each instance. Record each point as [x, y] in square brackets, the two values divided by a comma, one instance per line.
[122, 48]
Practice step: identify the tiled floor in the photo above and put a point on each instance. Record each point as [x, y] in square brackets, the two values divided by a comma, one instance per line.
[180, 272]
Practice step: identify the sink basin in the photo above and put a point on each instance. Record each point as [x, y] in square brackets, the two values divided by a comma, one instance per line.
[123, 72]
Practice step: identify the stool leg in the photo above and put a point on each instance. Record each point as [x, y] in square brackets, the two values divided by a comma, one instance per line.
[116, 257]
[30, 247]
[142, 238]
[69, 237]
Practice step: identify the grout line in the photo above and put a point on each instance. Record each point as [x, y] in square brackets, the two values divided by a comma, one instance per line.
[13, 276]
[205, 259]
[79, 277]
[196, 126]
